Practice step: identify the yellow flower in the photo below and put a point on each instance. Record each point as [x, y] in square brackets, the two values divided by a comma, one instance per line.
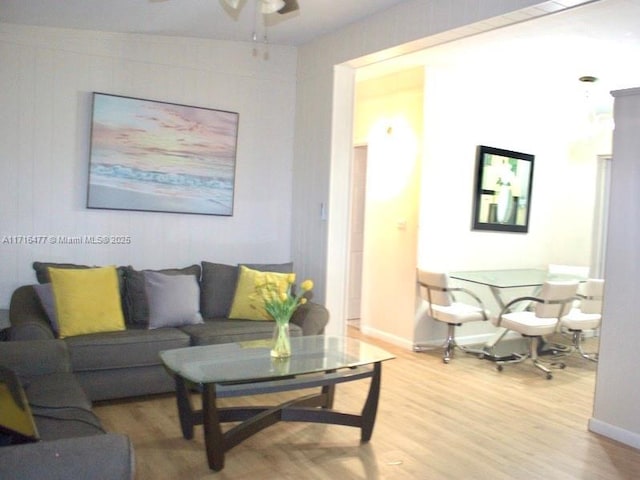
[281, 305]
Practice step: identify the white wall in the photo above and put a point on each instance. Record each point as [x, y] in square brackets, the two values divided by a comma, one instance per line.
[46, 80]
[617, 394]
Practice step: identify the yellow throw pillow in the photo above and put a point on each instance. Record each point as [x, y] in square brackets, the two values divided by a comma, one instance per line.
[87, 300]
[248, 303]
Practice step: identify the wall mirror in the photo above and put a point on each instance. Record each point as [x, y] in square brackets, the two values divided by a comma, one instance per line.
[502, 199]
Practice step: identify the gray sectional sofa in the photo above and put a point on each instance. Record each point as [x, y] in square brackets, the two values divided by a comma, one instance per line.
[126, 363]
[72, 443]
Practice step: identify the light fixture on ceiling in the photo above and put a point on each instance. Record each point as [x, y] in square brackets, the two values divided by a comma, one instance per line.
[597, 110]
[588, 82]
[588, 79]
[265, 7]
[269, 6]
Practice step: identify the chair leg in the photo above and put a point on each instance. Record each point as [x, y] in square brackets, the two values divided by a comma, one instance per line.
[532, 354]
[577, 345]
[450, 345]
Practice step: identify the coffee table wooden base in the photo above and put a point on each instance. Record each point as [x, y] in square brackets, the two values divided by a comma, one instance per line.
[315, 408]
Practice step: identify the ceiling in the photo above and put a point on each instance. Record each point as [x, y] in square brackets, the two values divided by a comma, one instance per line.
[601, 38]
[193, 18]
[552, 52]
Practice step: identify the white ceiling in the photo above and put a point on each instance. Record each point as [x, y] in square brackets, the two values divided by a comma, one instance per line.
[601, 39]
[193, 18]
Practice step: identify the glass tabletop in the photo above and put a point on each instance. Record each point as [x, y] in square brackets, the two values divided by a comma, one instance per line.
[251, 360]
[512, 278]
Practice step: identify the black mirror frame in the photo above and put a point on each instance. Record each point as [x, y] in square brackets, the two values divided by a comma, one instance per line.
[510, 212]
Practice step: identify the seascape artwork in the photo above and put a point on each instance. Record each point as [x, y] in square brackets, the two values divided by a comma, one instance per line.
[164, 157]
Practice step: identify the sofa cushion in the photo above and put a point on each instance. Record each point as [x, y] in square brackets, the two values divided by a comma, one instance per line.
[248, 300]
[55, 390]
[218, 285]
[174, 300]
[136, 303]
[222, 330]
[87, 300]
[54, 424]
[99, 456]
[216, 289]
[42, 272]
[60, 407]
[44, 292]
[131, 348]
[42, 269]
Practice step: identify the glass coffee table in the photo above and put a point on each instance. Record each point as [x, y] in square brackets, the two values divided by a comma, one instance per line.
[246, 368]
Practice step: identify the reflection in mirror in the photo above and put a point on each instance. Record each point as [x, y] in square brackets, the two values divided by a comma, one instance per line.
[503, 190]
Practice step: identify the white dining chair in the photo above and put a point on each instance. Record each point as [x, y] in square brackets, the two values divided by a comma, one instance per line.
[549, 306]
[443, 306]
[587, 315]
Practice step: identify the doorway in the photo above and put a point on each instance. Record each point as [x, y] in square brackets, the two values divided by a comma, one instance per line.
[356, 237]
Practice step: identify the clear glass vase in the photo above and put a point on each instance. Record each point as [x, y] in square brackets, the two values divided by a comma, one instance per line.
[281, 341]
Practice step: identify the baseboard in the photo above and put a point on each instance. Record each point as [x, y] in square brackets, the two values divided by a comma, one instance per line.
[385, 336]
[616, 433]
[467, 340]
[430, 344]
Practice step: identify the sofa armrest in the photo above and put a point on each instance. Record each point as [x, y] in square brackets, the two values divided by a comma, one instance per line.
[100, 456]
[311, 317]
[35, 357]
[28, 319]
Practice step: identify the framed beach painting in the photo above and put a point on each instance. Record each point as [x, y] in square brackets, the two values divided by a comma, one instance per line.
[162, 157]
[502, 200]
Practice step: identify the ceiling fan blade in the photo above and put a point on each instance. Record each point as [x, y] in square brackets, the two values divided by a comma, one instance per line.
[289, 6]
[233, 3]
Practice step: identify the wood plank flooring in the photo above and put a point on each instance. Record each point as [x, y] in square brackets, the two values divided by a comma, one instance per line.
[463, 420]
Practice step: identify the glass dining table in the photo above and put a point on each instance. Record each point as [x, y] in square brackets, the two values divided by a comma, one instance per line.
[500, 282]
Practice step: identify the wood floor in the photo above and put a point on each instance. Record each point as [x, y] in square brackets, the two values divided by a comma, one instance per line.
[463, 420]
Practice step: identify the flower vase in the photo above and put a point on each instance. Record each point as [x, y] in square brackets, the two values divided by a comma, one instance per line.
[281, 341]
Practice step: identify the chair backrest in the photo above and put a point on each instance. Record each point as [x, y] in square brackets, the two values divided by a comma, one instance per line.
[433, 287]
[592, 291]
[560, 295]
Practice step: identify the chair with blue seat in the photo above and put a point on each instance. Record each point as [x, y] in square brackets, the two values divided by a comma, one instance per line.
[549, 306]
[587, 315]
[443, 306]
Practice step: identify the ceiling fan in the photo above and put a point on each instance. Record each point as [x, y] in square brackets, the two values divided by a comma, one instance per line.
[270, 6]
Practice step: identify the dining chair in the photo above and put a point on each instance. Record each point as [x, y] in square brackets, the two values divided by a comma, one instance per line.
[558, 272]
[443, 306]
[587, 315]
[551, 303]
